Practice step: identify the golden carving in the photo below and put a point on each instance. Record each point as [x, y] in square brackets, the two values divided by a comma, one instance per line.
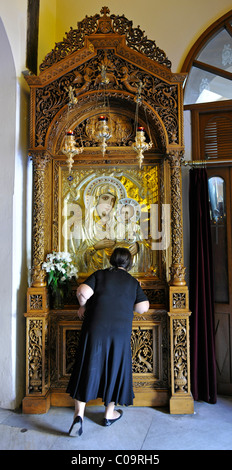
[36, 302]
[179, 300]
[35, 355]
[180, 355]
[104, 25]
[72, 339]
[75, 64]
[142, 351]
[177, 270]
[40, 222]
[180, 361]
[156, 296]
[120, 127]
[123, 78]
[147, 353]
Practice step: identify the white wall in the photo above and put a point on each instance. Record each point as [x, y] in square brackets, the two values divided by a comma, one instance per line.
[7, 161]
[47, 28]
[14, 17]
[13, 175]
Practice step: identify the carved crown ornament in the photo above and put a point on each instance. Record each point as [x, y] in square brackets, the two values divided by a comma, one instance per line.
[71, 72]
[105, 25]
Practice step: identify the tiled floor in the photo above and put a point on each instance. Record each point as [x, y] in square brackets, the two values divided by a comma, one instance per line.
[141, 428]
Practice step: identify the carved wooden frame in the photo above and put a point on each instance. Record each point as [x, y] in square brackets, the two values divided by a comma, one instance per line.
[75, 62]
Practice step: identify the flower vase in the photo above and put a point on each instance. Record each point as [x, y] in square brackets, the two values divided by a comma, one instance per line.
[58, 298]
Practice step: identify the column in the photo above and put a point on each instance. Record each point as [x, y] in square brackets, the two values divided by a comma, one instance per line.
[181, 401]
[177, 270]
[40, 218]
[37, 399]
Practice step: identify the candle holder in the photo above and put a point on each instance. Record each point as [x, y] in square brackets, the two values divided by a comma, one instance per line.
[70, 149]
[140, 145]
[103, 132]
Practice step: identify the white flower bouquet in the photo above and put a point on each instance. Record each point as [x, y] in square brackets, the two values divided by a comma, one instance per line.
[60, 270]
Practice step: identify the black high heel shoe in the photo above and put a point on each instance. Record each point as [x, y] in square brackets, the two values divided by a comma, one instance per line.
[75, 430]
[108, 422]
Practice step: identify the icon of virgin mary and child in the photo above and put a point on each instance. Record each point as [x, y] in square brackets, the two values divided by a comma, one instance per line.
[111, 220]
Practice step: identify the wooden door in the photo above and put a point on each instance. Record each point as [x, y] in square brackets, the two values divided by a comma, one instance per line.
[220, 193]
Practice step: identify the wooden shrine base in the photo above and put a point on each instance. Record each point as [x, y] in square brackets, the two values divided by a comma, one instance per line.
[40, 405]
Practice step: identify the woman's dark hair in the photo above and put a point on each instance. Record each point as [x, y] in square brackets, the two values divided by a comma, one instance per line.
[121, 258]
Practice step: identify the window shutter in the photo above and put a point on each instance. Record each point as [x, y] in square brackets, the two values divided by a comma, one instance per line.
[216, 136]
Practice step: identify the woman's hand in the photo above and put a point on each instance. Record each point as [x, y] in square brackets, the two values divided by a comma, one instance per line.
[81, 312]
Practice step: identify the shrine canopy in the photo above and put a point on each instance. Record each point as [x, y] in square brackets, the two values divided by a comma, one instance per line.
[130, 58]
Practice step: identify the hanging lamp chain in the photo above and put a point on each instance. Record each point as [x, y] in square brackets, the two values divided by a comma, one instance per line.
[140, 145]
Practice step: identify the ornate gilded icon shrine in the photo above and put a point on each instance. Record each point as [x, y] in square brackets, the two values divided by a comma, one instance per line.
[104, 66]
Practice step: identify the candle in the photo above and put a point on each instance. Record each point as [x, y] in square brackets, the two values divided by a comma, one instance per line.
[140, 129]
[102, 118]
[70, 132]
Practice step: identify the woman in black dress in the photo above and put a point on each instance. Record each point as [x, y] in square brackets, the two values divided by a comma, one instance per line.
[103, 367]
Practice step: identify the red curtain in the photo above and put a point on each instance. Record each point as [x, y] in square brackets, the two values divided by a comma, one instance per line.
[201, 290]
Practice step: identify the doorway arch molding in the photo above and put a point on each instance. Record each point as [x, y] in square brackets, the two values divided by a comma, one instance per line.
[222, 23]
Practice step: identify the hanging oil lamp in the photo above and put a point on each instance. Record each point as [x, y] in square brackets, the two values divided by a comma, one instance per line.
[70, 149]
[102, 132]
[140, 145]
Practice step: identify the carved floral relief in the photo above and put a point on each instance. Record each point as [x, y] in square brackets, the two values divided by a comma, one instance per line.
[122, 76]
[118, 24]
